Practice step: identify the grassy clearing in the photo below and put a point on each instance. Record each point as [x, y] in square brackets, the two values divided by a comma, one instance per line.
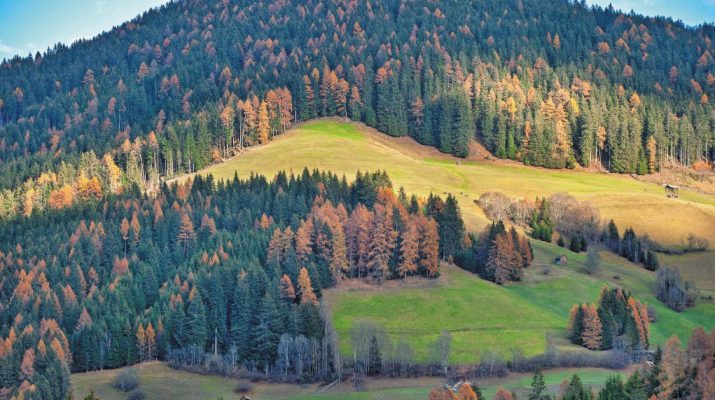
[344, 148]
[160, 382]
[480, 316]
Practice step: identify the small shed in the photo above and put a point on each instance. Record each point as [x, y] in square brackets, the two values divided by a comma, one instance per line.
[671, 191]
[561, 260]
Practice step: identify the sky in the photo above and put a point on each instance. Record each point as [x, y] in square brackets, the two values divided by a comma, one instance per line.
[28, 26]
[691, 12]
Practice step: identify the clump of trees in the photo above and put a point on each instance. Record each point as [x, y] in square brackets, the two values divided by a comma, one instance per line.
[618, 321]
[448, 215]
[638, 250]
[542, 226]
[694, 243]
[673, 291]
[375, 353]
[497, 254]
[577, 221]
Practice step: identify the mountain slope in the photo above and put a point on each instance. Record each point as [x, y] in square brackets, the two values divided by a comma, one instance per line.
[547, 83]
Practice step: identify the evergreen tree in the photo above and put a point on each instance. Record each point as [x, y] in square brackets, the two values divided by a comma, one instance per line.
[196, 326]
[539, 391]
[613, 389]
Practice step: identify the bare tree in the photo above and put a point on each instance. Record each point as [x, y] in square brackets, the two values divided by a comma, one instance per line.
[441, 350]
[285, 349]
[404, 356]
[593, 261]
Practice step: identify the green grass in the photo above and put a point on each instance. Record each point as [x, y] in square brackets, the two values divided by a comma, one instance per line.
[344, 148]
[479, 315]
[568, 286]
[594, 377]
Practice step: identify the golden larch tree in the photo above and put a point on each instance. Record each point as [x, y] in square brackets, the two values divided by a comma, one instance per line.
[306, 288]
[592, 329]
[264, 125]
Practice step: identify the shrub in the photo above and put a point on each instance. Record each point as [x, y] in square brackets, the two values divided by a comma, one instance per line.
[243, 387]
[138, 394]
[702, 165]
[673, 291]
[696, 243]
[127, 380]
[652, 316]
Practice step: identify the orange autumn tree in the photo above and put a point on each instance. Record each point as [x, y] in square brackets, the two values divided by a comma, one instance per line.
[305, 287]
[61, 198]
[141, 342]
[263, 123]
[440, 394]
[466, 392]
[592, 329]
[150, 336]
[503, 394]
[286, 289]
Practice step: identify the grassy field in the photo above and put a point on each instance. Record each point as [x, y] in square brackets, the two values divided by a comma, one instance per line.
[480, 316]
[158, 382]
[345, 147]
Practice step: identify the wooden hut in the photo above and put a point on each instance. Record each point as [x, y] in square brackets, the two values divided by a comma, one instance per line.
[671, 191]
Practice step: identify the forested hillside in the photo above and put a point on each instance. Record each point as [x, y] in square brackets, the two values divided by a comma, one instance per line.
[553, 84]
[228, 268]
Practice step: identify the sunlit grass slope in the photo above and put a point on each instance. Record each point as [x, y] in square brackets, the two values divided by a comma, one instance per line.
[345, 147]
